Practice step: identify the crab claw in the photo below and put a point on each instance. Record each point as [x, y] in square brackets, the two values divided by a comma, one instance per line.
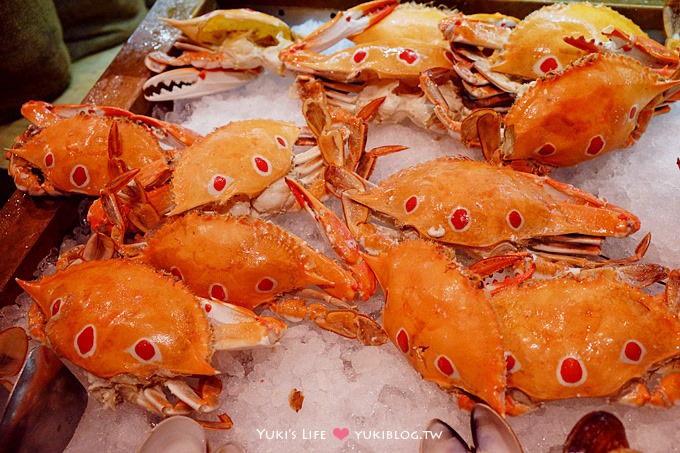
[339, 236]
[344, 322]
[187, 83]
[345, 24]
[212, 28]
[236, 327]
[490, 432]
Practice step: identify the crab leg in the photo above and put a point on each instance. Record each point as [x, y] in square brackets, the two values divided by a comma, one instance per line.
[345, 322]
[339, 236]
[236, 328]
[45, 114]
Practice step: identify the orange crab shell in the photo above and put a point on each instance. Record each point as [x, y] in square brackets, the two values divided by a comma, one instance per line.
[571, 337]
[536, 46]
[73, 153]
[243, 260]
[242, 157]
[445, 326]
[407, 21]
[389, 59]
[476, 204]
[112, 317]
[595, 106]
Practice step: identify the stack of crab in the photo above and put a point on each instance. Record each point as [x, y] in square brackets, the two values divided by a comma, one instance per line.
[545, 306]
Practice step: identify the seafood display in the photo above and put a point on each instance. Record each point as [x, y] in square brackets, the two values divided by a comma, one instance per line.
[563, 337]
[494, 285]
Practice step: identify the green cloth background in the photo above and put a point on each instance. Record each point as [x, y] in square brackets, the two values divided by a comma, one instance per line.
[40, 38]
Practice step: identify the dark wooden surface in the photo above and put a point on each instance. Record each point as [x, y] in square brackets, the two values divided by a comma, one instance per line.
[30, 226]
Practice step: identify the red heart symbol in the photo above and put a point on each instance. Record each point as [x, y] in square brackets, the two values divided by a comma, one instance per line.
[408, 55]
[341, 433]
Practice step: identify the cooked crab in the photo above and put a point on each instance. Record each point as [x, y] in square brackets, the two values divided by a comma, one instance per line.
[481, 208]
[599, 104]
[221, 50]
[593, 333]
[254, 263]
[82, 148]
[137, 331]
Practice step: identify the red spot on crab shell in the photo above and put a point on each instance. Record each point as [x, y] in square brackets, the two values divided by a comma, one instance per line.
[281, 141]
[547, 149]
[515, 219]
[632, 113]
[409, 56]
[571, 371]
[219, 183]
[262, 165]
[511, 363]
[145, 350]
[49, 160]
[359, 56]
[632, 352]
[80, 176]
[460, 219]
[403, 340]
[174, 270]
[411, 204]
[218, 291]
[265, 285]
[85, 341]
[445, 366]
[56, 306]
[595, 145]
[548, 64]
